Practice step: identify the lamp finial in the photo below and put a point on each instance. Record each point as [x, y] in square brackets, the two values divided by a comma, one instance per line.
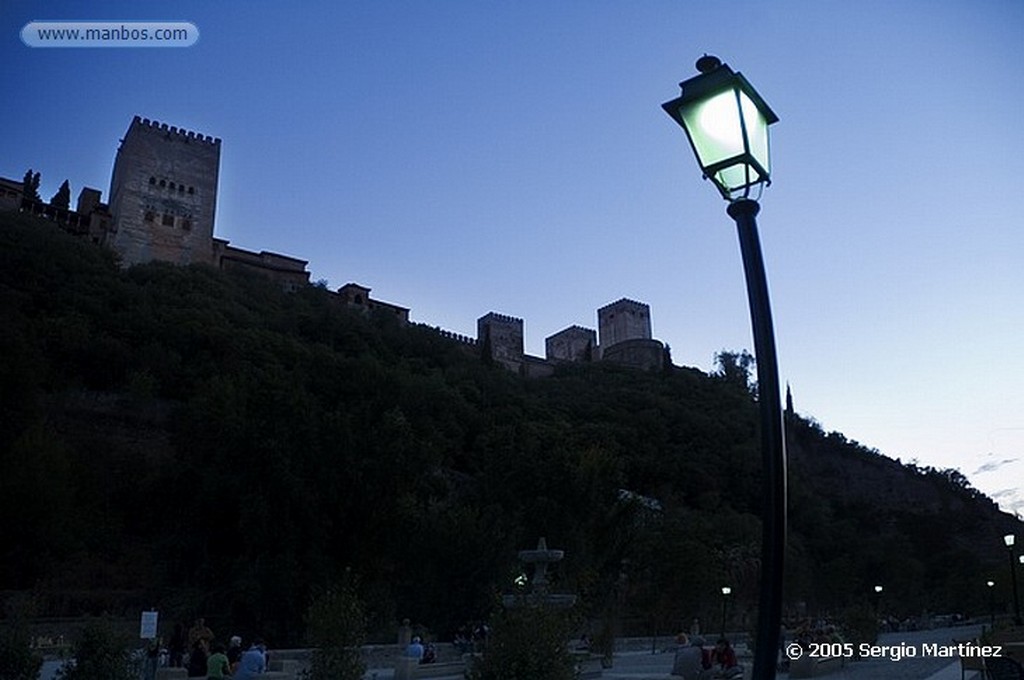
[708, 63]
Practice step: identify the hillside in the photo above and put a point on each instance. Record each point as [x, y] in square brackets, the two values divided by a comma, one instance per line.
[211, 445]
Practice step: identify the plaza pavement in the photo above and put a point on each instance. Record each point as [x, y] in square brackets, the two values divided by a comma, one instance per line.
[643, 665]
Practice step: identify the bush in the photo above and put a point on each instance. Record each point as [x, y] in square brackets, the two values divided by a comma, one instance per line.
[17, 660]
[337, 628]
[860, 625]
[101, 653]
[527, 644]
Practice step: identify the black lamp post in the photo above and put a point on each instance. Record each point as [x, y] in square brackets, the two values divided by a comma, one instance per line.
[727, 121]
[1009, 539]
[726, 591]
[991, 604]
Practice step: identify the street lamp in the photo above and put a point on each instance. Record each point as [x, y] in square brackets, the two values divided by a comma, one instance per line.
[726, 122]
[1009, 539]
[726, 591]
[991, 604]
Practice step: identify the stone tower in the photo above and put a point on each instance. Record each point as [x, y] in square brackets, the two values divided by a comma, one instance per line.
[502, 336]
[574, 343]
[163, 194]
[623, 320]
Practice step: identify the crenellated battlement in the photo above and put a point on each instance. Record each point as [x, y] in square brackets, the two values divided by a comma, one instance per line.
[164, 128]
[624, 302]
[451, 335]
[503, 318]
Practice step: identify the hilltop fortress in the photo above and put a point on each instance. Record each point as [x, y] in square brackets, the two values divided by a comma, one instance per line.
[163, 201]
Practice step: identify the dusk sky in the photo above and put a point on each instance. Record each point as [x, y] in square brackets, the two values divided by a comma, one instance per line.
[466, 157]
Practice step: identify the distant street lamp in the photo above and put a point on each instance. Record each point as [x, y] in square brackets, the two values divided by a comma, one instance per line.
[1009, 539]
[726, 591]
[878, 599]
[726, 122]
[991, 604]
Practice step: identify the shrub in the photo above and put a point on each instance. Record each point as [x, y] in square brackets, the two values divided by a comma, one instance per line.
[860, 625]
[337, 627]
[527, 643]
[17, 660]
[101, 653]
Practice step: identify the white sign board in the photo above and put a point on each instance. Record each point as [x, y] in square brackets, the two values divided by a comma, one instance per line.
[147, 629]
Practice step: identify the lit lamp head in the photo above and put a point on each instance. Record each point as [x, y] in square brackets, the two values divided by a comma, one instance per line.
[726, 590]
[1008, 539]
[726, 121]
[878, 589]
[990, 583]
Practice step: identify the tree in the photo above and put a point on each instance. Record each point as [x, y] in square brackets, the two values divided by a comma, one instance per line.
[735, 368]
[30, 186]
[62, 199]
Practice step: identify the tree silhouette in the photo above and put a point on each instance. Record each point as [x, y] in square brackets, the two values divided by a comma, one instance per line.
[62, 199]
[30, 186]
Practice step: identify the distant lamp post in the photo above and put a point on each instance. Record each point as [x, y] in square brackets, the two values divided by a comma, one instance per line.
[726, 592]
[991, 603]
[726, 122]
[1009, 540]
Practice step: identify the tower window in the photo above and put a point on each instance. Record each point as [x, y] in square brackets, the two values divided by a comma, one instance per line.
[181, 188]
[150, 216]
[152, 180]
[186, 224]
[191, 190]
[171, 186]
[168, 220]
[163, 183]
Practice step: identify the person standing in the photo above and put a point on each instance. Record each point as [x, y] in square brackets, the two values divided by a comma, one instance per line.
[177, 646]
[200, 632]
[234, 653]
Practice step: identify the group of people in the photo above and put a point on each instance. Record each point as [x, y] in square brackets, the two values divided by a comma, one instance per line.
[694, 661]
[424, 653]
[208, 658]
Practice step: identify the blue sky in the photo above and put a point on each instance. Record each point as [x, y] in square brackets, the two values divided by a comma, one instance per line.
[464, 157]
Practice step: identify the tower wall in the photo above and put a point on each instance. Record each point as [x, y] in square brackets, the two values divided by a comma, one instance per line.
[163, 194]
[623, 320]
[574, 343]
[505, 337]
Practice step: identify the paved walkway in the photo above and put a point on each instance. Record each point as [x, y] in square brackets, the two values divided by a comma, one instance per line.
[646, 666]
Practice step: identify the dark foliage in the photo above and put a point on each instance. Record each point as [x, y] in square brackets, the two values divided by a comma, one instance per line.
[210, 444]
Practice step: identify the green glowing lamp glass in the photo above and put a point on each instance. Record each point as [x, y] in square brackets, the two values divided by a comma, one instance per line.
[726, 121]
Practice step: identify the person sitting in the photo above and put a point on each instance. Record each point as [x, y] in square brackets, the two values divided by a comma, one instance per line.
[217, 666]
[723, 660]
[253, 662]
[688, 663]
[429, 653]
[415, 649]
